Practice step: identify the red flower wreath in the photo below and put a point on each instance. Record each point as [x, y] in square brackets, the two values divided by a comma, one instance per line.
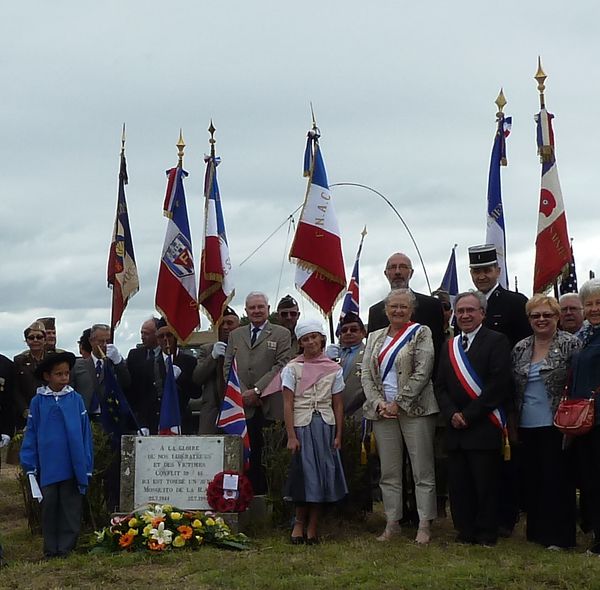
[214, 494]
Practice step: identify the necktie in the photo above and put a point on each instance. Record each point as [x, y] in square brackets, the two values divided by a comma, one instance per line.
[98, 368]
[465, 342]
[255, 332]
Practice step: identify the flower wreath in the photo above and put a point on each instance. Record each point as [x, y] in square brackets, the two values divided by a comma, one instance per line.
[214, 494]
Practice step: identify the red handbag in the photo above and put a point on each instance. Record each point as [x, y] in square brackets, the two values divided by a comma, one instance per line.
[575, 417]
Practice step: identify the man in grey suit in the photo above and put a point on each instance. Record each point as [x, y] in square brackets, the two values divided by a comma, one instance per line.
[261, 349]
[87, 376]
[209, 373]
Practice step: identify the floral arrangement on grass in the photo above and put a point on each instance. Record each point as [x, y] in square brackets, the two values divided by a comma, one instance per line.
[157, 528]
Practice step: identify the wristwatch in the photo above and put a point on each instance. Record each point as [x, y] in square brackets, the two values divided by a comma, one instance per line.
[257, 391]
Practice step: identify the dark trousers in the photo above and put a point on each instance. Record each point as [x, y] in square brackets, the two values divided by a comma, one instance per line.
[473, 477]
[587, 455]
[256, 472]
[548, 490]
[61, 517]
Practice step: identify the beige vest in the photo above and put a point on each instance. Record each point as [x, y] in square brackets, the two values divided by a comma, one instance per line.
[315, 399]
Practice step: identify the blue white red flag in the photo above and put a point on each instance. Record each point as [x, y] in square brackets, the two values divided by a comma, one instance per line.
[450, 280]
[317, 246]
[495, 232]
[216, 285]
[232, 419]
[176, 288]
[122, 274]
[169, 422]
[351, 303]
[552, 246]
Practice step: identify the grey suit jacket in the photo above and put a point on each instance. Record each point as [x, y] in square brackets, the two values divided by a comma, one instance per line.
[209, 375]
[353, 394]
[85, 382]
[257, 365]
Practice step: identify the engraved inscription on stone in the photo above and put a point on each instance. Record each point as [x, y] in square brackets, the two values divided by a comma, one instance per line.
[176, 470]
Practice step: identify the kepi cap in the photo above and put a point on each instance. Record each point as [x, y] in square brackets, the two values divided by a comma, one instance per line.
[484, 255]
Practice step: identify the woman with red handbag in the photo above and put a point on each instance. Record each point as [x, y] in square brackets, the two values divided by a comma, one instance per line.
[540, 368]
[585, 381]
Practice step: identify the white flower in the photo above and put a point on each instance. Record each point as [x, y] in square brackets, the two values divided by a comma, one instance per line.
[161, 536]
[154, 512]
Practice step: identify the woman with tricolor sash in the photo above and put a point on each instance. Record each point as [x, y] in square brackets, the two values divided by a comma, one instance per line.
[396, 378]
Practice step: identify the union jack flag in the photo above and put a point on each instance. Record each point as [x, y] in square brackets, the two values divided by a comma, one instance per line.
[232, 419]
[351, 303]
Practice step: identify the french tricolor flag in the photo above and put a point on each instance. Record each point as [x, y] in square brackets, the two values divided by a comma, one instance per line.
[176, 287]
[317, 246]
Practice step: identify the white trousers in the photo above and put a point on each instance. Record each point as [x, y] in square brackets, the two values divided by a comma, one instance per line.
[418, 435]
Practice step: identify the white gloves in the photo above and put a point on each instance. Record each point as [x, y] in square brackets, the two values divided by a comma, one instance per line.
[176, 371]
[112, 352]
[144, 432]
[333, 351]
[218, 350]
[4, 440]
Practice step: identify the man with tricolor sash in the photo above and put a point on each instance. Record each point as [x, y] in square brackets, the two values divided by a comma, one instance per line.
[472, 385]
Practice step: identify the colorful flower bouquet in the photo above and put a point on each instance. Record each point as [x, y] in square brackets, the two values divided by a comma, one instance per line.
[158, 528]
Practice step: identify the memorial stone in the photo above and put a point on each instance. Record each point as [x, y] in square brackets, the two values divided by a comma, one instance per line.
[174, 470]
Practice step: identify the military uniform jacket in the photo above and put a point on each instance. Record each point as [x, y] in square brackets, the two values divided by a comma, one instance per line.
[506, 314]
[26, 383]
[257, 365]
[489, 355]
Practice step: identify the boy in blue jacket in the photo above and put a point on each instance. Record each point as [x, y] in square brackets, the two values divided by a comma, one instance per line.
[57, 449]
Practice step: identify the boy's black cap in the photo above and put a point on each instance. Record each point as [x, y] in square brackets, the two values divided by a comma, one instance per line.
[51, 359]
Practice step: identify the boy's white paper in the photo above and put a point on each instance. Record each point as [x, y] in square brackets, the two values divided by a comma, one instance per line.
[35, 488]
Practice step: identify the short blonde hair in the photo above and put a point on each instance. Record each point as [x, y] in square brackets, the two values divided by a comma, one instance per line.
[541, 299]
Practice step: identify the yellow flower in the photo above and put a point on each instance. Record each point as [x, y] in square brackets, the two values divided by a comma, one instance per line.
[210, 522]
[175, 515]
[200, 539]
[197, 524]
[147, 529]
[133, 523]
[133, 532]
[167, 508]
[178, 541]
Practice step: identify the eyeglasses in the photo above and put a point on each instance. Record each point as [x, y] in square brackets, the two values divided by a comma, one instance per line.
[38, 337]
[346, 329]
[546, 315]
[398, 267]
[288, 314]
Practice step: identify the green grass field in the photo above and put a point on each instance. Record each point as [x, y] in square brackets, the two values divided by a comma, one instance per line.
[349, 557]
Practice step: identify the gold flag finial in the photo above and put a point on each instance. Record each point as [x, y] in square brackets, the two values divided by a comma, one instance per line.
[212, 139]
[312, 112]
[123, 140]
[180, 147]
[540, 76]
[500, 102]
[363, 233]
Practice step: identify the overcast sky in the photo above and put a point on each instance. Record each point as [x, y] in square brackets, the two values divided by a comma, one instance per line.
[404, 97]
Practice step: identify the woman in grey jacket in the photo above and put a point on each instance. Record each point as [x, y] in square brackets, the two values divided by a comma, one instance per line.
[396, 378]
[540, 368]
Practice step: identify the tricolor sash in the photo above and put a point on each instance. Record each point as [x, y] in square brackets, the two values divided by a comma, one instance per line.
[388, 353]
[469, 379]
